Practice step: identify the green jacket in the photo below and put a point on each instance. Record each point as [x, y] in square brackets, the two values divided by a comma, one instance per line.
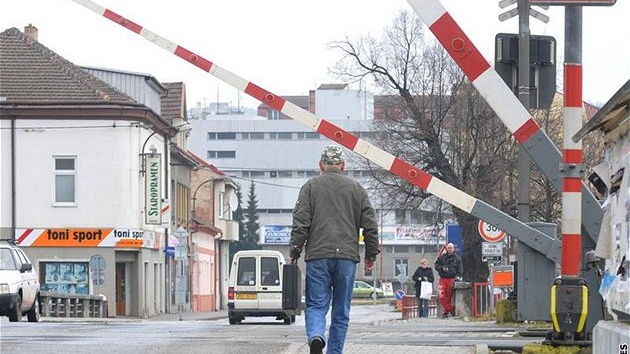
[330, 210]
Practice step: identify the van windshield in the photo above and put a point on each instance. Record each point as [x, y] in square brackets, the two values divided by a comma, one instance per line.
[246, 271]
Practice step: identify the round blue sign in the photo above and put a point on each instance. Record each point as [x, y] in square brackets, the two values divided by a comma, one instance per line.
[400, 294]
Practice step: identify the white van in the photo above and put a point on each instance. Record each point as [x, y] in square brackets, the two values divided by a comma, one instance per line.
[255, 287]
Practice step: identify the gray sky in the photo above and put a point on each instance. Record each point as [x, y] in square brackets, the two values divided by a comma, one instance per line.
[281, 44]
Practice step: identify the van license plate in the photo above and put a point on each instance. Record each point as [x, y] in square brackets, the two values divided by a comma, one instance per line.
[246, 296]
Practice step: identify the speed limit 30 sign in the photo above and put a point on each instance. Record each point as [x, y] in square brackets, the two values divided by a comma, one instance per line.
[489, 233]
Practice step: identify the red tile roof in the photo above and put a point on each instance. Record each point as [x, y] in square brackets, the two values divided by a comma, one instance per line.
[32, 72]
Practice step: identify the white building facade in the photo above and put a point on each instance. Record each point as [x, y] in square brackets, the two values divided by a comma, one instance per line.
[84, 177]
[279, 155]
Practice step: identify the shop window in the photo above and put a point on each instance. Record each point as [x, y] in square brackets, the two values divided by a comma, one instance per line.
[65, 277]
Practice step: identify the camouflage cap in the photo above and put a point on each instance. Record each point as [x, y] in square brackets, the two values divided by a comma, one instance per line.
[332, 155]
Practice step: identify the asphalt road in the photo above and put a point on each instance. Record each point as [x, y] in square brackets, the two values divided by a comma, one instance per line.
[374, 326]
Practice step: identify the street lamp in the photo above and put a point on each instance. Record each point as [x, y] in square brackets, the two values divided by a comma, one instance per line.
[194, 198]
[152, 150]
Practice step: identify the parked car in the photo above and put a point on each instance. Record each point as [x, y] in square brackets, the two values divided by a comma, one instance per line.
[19, 284]
[364, 290]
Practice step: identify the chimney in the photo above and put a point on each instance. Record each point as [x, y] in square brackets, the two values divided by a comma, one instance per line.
[31, 34]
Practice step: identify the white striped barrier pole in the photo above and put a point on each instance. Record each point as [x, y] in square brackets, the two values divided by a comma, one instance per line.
[571, 258]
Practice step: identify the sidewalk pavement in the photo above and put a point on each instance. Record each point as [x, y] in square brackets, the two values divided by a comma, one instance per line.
[191, 316]
[359, 348]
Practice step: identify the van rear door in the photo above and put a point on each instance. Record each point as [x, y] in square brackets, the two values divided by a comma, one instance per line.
[270, 289]
[246, 294]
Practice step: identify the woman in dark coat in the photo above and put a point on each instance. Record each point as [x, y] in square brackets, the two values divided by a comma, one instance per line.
[423, 273]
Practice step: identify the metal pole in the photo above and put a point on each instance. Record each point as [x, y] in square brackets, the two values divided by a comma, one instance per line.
[524, 163]
[569, 311]
[491, 270]
[572, 152]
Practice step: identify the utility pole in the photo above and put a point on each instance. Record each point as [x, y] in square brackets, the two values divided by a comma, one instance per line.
[524, 163]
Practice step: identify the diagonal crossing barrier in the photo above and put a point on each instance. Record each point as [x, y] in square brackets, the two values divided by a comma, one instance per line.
[506, 105]
[539, 241]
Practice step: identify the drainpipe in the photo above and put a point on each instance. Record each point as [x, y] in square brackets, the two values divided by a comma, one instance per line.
[167, 272]
[13, 179]
[218, 288]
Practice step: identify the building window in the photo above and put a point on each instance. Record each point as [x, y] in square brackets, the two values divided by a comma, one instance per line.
[221, 136]
[257, 174]
[65, 180]
[406, 216]
[415, 216]
[285, 174]
[366, 135]
[401, 249]
[253, 136]
[226, 136]
[280, 174]
[181, 204]
[221, 154]
[221, 204]
[273, 114]
[285, 136]
[307, 135]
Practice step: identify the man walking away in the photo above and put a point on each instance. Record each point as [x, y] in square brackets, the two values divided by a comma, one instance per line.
[449, 267]
[330, 210]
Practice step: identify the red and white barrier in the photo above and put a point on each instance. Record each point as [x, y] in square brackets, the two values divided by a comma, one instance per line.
[467, 203]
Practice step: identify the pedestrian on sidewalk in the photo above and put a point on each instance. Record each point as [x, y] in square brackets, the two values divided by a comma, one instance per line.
[423, 274]
[449, 267]
[330, 210]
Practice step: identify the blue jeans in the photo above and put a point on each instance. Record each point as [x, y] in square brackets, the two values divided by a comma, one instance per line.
[423, 308]
[329, 279]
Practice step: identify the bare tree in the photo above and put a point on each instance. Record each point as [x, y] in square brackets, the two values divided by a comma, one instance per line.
[430, 116]
[434, 119]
